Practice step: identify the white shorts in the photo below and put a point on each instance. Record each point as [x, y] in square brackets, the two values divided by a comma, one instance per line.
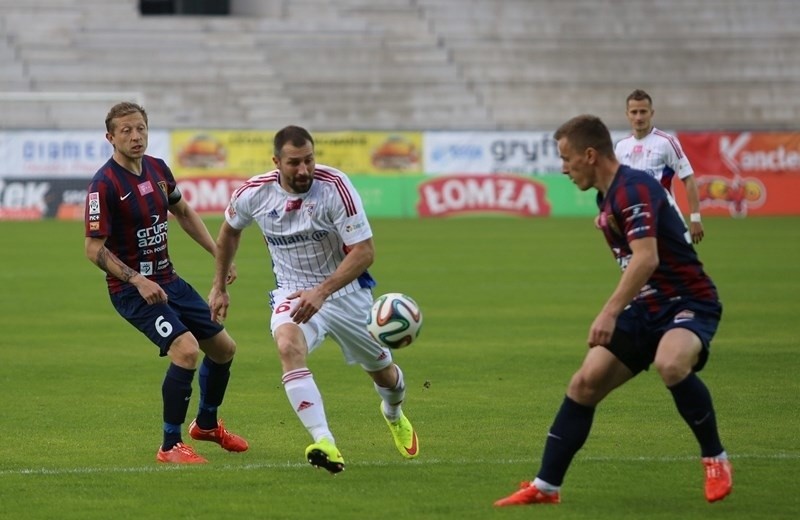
[344, 319]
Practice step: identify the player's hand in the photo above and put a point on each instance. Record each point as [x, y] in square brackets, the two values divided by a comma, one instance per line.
[601, 330]
[218, 302]
[232, 275]
[597, 222]
[696, 230]
[150, 291]
[311, 301]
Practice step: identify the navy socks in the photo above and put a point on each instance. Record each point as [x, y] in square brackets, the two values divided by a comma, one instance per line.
[694, 404]
[176, 391]
[213, 383]
[567, 434]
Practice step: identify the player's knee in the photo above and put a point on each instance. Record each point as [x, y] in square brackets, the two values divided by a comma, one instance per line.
[220, 348]
[678, 352]
[185, 351]
[291, 351]
[672, 371]
[584, 389]
[226, 346]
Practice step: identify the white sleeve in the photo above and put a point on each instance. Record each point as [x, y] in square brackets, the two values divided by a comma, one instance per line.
[677, 160]
[349, 216]
[238, 213]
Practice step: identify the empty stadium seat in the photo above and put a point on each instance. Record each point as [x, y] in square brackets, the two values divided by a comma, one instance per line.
[405, 64]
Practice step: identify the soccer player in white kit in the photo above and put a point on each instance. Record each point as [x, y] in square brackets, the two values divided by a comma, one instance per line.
[659, 154]
[320, 242]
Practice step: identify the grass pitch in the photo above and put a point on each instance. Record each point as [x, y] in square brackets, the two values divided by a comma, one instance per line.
[507, 306]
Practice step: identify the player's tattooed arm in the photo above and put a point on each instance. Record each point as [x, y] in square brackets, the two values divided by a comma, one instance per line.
[106, 259]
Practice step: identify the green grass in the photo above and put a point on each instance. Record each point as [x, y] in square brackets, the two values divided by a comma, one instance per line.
[507, 307]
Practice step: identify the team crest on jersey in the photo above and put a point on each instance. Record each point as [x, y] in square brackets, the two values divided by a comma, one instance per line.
[163, 186]
[94, 203]
[292, 205]
[145, 188]
[309, 208]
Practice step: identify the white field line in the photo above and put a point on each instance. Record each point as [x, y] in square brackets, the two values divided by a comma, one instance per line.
[156, 467]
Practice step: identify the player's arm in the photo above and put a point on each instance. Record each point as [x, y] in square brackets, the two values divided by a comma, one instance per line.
[226, 247]
[693, 196]
[679, 162]
[359, 257]
[194, 226]
[642, 264]
[102, 257]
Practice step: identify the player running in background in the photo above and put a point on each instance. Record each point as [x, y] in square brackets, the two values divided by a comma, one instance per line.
[126, 236]
[659, 154]
[320, 242]
[664, 311]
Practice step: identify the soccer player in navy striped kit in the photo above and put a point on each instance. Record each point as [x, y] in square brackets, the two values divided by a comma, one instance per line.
[126, 221]
[664, 311]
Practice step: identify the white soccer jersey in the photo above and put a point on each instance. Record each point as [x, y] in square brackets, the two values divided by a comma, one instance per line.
[658, 153]
[307, 234]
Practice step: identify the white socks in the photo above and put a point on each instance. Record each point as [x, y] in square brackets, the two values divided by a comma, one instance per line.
[544, 487]
[306, 401]
[393, 397]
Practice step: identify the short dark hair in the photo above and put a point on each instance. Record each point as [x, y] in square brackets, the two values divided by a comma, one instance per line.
[638, 95]
[296, 135]
[586, 131]
[121, 110]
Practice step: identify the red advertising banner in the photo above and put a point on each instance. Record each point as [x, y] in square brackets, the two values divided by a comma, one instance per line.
[744, 173]
[482, 194]
[209, 195]
[29, 198]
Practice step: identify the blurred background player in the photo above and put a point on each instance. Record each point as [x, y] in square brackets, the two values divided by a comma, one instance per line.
[659, 154]
[320, 242]
[126, 236]
[664, 311]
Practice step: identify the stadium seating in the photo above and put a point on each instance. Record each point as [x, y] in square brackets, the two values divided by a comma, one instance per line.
[403, 64]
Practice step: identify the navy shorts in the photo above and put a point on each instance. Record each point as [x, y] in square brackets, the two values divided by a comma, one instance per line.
[639, 331]
[185, 310]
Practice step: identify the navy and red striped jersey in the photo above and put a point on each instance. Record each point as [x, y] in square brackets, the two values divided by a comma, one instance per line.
[637, 206]
[131, 211]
